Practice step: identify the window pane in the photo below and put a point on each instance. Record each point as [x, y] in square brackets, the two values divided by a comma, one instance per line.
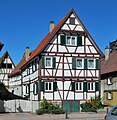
[9, 65]
[48, 62]
[73, 41]
[46, 86]
[49, 86]
[90, 63]
[91, 86]
[79, 63]
[80, 86]
[72, 21]
[76, 86]
[68, 40]
[88, 86]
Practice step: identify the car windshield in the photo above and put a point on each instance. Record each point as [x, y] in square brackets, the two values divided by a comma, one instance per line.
[114, 112]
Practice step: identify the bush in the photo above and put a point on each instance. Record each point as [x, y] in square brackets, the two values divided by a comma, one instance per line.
[92, 105]
[49, 107]
[40, 111]
[58, 111]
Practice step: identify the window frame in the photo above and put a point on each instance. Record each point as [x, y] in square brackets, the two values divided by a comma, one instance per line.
[88, 63]
[48, 83]
[71, 37]
[82, 63]
[50, 62]
[78, 84]
[91, 85]
[72, 21]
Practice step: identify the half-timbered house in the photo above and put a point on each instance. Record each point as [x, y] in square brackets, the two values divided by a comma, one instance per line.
[6, 67]
[64, 67]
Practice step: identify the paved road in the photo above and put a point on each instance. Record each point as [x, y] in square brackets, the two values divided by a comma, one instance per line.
[72, 116]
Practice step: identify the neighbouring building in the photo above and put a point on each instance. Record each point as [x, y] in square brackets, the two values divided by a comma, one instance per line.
[65, 66]
[6, 67]
[109, 75]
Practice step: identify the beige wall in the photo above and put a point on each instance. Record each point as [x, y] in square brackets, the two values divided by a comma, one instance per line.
[111, 102]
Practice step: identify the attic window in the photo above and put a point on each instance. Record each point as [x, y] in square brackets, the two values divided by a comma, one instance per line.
[72, 21]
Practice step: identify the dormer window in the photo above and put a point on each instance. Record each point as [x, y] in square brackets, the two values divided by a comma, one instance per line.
[72, 21]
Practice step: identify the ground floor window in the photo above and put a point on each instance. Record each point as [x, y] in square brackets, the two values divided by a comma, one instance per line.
[48, 86]
[91, 86]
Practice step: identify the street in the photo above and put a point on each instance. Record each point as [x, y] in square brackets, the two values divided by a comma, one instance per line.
[71, 116]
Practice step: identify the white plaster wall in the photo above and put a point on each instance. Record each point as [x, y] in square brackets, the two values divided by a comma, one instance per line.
[70, 96]
[60, 85]
[67, 85]
[49, 96]
[57, 96]
[78, 96]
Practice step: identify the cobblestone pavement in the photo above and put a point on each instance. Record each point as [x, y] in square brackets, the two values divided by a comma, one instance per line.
[72, 116]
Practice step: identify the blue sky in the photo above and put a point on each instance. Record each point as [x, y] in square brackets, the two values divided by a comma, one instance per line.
[26, 22]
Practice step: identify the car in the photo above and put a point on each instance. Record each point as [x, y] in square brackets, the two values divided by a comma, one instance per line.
[112, 114]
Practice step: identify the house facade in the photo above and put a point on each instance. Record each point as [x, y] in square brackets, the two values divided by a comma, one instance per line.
[65, 66]
[6, 67]
[109, 75]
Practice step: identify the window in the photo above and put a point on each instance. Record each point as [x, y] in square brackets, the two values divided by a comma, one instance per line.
[109, 81]
[72, 21]
[68, 40]
[34, 65]
[79, 63]
[71, 40]
[28, 70]
[91, 63]
[9, 66]
[79, 86]
[109, 95]
[91, 86]
[48, 62]
[48, 86]
[27, 88]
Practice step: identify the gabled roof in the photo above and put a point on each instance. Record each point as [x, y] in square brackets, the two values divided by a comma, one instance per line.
[4, 56]
[17, 68]
[110, 65]
[51, 34]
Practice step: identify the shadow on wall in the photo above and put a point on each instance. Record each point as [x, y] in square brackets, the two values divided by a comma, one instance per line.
[2, 109]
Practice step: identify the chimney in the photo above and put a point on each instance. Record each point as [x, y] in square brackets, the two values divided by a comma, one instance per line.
[51, 25]
[27, 53]
[106, 53]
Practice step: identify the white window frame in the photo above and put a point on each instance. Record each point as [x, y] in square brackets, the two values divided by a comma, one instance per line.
[50, 62]
[82, 63]
[89, 85]
[71, 40]
[109, 81]
[48, 86]
[109, 97]
[93, 62]
[79, 83]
